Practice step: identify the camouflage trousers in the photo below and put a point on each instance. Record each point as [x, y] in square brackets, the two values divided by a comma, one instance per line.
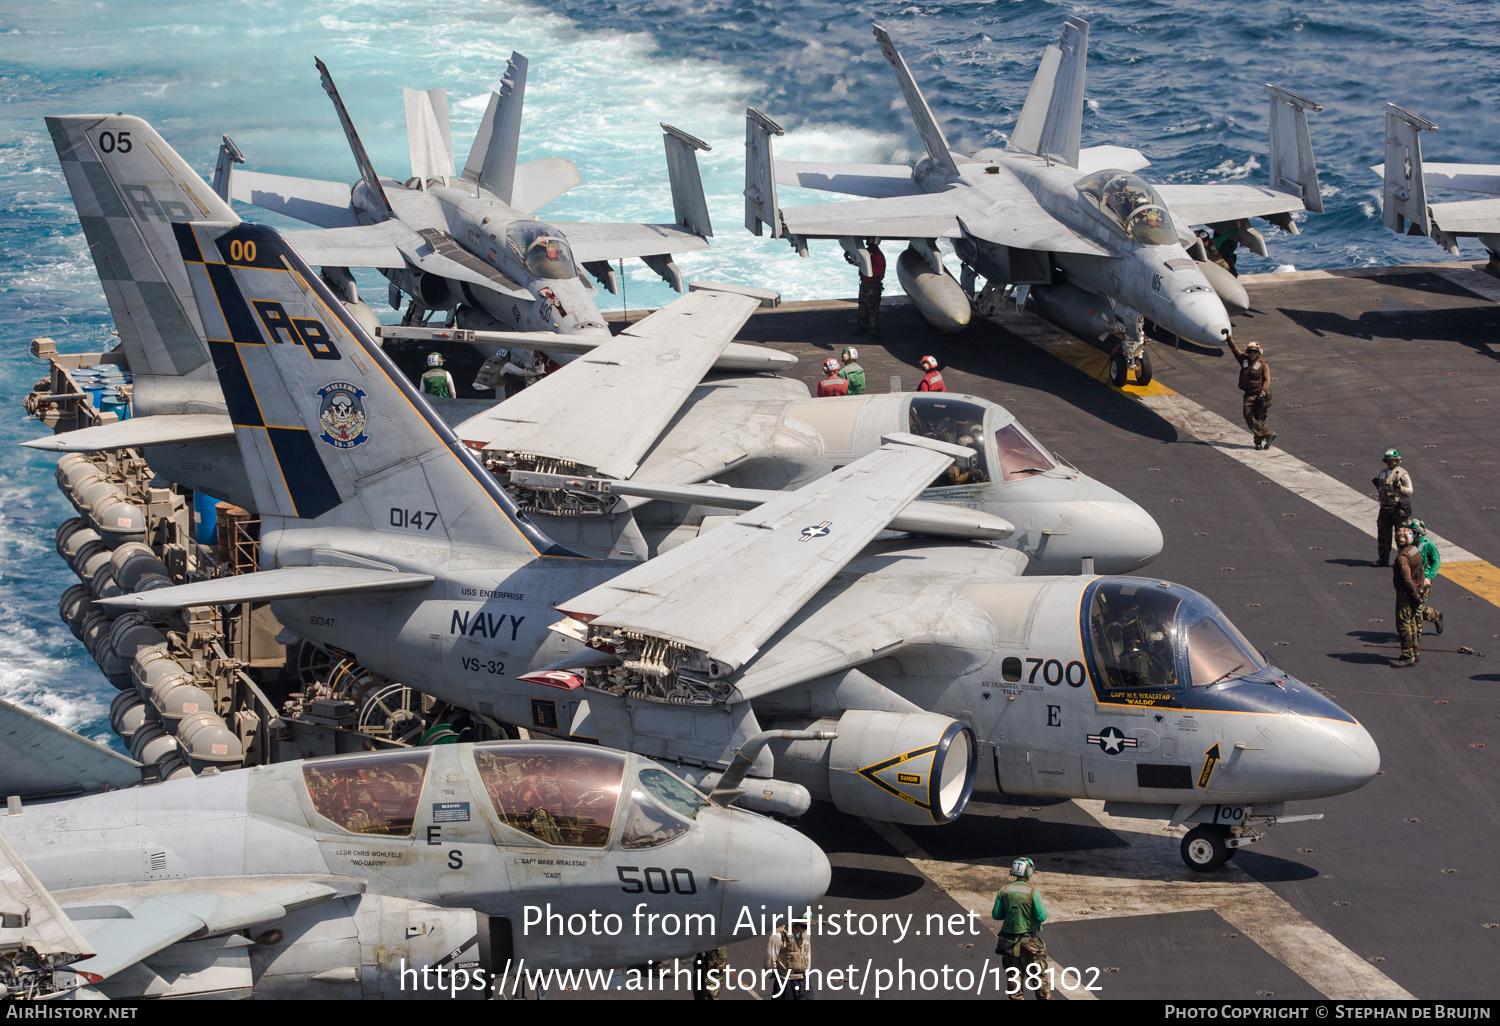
[1408, 625]
[1387, 522]
[1256, 411]
[869, 305]
[1019, 953]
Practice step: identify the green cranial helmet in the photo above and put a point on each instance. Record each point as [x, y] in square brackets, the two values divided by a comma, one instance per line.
[1392, 454]
[1417, 526]
[1021, 868]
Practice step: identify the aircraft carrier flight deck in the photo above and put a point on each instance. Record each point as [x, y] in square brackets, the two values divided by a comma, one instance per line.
[1393, 893]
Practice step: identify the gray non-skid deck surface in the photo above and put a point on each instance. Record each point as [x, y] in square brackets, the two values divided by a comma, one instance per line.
[1297, 581]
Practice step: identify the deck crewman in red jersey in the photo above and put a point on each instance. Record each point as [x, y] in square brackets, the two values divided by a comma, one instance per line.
[932, 381]
[833, 384]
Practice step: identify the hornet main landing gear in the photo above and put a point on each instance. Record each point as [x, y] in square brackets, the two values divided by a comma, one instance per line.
[1206, 847]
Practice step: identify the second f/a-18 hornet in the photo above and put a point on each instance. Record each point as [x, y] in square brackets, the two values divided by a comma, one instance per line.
[1099, 249]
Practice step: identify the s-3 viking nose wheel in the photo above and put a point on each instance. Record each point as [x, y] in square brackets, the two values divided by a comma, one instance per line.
[1204, 850]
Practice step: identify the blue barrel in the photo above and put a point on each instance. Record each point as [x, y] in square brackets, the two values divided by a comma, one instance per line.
[205, 518]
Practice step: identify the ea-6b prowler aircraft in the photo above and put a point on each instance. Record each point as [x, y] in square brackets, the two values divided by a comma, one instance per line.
[1100, 250]
[653, 417]
[347, 877]
[932, 663]
[1407, 179]
[468, 243]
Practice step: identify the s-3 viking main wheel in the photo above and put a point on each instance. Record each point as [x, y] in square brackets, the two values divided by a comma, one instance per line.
[1204, 850]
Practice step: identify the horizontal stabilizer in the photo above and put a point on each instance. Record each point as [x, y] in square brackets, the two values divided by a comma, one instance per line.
[38, 758]
[869, 180]
[325, 204]
[632, 385]
[539, 182]
[919, 517]
[268, 585]
[757, 571]
[592, 241]
[1210, 204]
[164, 429]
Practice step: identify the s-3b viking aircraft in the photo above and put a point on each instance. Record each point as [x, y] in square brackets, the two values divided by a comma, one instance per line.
[402, 873]
[468, 242]
[935, 666]
[1098, 248]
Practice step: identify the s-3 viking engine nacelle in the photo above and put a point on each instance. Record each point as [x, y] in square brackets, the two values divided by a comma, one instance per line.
[915, 768]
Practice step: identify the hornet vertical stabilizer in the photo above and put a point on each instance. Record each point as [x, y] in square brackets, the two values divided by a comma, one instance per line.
[492, 160]
[1027, 135]
[1405, 208]
[1062, 131]
[927, 126]
[129, 188]
[1292, 166]
[367, 173]
[428, 134]
[329, 429]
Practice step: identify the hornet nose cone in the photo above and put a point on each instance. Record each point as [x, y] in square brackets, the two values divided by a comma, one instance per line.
[770, 864]
[1198, 317]
[1127, 536]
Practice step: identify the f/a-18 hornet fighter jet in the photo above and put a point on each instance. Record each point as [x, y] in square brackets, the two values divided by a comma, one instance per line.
[391, 874]
[1408, 177]
[1100, 250]
[468, 243]
[894, 663]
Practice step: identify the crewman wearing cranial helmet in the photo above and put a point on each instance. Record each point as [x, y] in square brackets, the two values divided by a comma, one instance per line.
[436, 381]
[832, 384]
[1021, 912]
[1255, 382]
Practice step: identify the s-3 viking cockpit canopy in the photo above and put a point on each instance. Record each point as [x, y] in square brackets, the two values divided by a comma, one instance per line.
[1131, 204]
[1145, 635]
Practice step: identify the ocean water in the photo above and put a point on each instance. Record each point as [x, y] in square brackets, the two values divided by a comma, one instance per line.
[1181, 81]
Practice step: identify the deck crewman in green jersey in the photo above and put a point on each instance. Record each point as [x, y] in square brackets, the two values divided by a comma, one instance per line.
[852, 371]
[436, 381]
[1020, 912]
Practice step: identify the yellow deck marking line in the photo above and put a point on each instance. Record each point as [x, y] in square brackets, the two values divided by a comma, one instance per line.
[1460, 566]
[1148, 878]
